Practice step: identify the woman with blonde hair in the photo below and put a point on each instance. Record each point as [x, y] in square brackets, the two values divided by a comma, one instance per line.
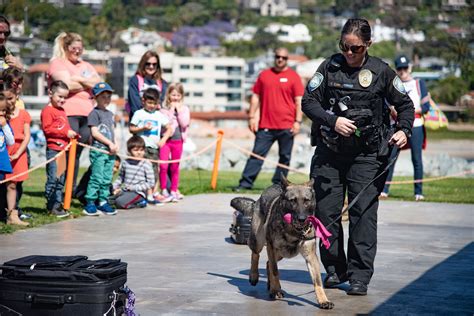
[148, 75]
[179, 116]
[80, 76]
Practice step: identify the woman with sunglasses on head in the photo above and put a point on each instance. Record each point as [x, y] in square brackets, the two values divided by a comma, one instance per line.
[148, 75]
[80, 76]
[346, 100]
[6, 57]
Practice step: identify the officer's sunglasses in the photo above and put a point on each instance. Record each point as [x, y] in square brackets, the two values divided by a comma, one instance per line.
[355, 49]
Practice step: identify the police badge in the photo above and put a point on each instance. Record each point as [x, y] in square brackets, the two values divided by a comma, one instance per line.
[315, 81]
[365, 78]
[398, 84]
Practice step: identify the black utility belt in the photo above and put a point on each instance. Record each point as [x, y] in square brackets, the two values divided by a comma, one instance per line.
[365, 139]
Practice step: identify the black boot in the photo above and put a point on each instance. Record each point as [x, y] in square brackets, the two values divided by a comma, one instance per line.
[357, 288]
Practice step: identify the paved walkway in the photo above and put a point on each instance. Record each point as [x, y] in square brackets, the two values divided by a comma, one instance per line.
[181, 260]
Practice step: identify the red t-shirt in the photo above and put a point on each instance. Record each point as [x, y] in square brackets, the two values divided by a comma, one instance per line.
[277, 92]
[55, 127]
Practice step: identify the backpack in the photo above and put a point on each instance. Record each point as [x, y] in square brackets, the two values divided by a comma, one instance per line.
[141, 83]
[435, 118]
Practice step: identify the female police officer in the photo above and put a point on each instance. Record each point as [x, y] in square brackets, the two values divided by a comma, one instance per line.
[346, 101]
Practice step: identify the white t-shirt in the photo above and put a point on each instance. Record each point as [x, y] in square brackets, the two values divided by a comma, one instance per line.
[156, 119]
[412, 90]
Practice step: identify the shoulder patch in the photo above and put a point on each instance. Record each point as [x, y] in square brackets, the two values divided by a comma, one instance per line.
[398, 84]
[315, 82]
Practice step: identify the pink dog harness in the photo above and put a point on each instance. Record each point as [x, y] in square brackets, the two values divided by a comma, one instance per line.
[321, 231]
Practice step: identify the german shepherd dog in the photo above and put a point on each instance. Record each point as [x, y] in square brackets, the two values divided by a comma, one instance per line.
[283, 239]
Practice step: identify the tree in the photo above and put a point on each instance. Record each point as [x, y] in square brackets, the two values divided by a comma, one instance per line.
[449, 90]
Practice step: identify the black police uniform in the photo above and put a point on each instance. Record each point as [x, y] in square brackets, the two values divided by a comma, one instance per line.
[343, 164]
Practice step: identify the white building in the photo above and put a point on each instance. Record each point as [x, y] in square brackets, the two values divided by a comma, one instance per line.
[273, 7]
[381, 32]
[290, 33]
[210, 84]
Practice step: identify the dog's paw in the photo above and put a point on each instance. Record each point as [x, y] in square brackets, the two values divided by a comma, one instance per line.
[253, 280]
[326, 305]
[276, 294]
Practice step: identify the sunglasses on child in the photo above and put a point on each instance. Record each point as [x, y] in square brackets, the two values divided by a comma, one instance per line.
[355, 49]
[151, 65]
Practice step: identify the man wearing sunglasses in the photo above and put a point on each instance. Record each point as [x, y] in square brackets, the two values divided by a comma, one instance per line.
[6, 57]
[274, 115]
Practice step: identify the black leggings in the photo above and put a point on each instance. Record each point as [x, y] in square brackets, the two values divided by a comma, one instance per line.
[79, 125]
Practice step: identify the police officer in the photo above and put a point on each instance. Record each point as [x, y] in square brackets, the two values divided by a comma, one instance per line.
[346, 101]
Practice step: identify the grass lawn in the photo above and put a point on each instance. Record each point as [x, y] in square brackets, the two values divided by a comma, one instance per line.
[454, 190]
[448, 134]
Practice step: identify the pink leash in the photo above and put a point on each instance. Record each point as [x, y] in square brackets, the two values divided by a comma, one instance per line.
[321, 231]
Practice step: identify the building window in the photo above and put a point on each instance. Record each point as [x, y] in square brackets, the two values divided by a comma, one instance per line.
[221, 95]
[197, 80]
[183, 80]
[197, 94]
[220, 67]
[234, 96]
[198, 67]
[186, 94]
[221, 81]
[184, 66]
[234, 83]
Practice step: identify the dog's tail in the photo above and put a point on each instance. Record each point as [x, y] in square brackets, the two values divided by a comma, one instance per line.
[243, 204]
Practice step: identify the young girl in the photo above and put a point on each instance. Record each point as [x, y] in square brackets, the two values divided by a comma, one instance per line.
[19, 122]
[6, 138]
[179, 115]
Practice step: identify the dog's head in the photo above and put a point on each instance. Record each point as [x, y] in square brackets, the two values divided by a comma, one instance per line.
[299, 201]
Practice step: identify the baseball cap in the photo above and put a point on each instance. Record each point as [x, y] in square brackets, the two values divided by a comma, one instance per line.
[402, 61]
[101, 87]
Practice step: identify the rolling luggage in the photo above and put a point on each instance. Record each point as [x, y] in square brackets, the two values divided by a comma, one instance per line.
[63, 285]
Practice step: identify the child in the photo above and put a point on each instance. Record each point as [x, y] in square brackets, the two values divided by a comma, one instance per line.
[101, 122]
[6, 138]
[179, 115]
[148, 123]
[20, 122]
[136, 178]
[57, 132]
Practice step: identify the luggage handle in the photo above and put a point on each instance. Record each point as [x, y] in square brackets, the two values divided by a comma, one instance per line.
[47, 299]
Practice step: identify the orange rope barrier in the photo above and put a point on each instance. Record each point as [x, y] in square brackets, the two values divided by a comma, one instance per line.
[38, 166]
[217, 156]
[430, 179]
[248, 152]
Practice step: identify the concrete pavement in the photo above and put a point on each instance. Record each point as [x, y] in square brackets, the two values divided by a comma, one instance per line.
[181, 260]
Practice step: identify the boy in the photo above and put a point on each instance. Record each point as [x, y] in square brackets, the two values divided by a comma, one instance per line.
[136, 179]
[149, 123]
[101, 122]
[57, 132]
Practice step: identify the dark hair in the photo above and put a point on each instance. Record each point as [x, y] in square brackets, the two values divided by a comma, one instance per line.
[8, 110]
[117, 158]
[12, 75]
[3, 19]
[151, 94]
[358, 27]
[144, 60]
[56, 85]
[134, 142]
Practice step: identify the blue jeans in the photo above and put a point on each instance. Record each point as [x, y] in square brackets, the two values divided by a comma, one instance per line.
[416, 147]
[263, 142]
[54, 186]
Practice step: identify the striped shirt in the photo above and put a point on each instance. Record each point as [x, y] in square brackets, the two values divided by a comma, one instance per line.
[135, 176]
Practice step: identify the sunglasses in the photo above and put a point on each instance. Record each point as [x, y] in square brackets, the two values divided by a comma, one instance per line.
[6, 33]
[281, 57]
[355, 49]
[151, 64]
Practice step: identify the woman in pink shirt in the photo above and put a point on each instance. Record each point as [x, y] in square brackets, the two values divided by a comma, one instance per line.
[80, 76]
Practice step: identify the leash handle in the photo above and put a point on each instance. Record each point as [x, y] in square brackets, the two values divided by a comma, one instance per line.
[367, 185]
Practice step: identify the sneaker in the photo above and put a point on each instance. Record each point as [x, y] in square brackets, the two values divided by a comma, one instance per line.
[383, 196]
[143, 203]
[419, 197]
[107, 209]
[59, 212]
[177, 195]
[159, 198]
[23, 215]
[90, 209]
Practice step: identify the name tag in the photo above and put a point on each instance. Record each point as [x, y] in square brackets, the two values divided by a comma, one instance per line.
[283, 79]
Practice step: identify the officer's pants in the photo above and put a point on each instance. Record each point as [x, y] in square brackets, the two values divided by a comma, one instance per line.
[263, 142]
[335, 174]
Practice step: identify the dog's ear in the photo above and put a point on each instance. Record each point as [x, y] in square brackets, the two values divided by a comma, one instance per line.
[284, 181]
[310, 183]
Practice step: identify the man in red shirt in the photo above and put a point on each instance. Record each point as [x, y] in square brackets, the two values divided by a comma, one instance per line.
[275, 115]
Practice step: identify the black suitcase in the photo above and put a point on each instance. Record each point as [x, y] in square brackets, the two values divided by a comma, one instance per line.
[240, 228]
[63, 285]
